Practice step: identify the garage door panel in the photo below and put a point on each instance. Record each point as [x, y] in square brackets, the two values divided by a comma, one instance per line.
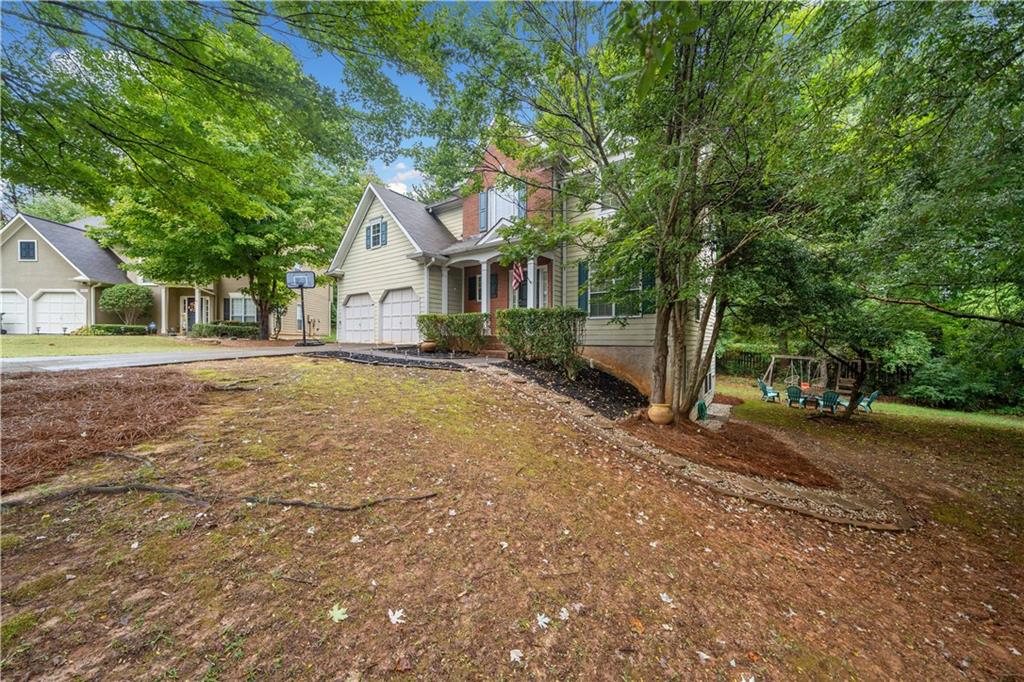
[58, 312]
[357, 319]
[15, 312]
[398, 317]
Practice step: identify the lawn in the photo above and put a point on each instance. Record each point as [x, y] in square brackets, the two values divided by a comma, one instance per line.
[543, 551]
[31, 345]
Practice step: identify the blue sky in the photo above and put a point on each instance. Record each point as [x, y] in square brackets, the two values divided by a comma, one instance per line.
[401, 174]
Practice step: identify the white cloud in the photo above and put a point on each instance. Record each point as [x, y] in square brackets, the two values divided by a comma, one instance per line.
[399, 182]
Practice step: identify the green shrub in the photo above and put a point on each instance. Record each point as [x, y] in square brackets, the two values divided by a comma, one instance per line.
[242, 330]
[112, 330]
[454, 331]
[127, 301]
[551, 336]
[941, 383]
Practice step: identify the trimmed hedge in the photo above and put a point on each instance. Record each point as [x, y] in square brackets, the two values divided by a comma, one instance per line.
[112, 330]
[548, 335]
[454, 331]
[242, 330]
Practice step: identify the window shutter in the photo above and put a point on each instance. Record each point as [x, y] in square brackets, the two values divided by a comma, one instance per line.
[583, 272]
[367, 236]
[227, 309]
[482, 198]
[471, 287]
[494, 285]
[647, 284]
[384, 233]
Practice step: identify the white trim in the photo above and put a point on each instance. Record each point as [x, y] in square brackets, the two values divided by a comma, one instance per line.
[35, 251]
[444, 289]
[355, 225]
[48, 243]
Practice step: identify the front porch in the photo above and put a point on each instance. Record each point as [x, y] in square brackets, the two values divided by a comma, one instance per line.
[182, 307]
[478, 283]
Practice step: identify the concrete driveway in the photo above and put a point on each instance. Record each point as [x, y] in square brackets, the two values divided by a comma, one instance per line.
[58, 363]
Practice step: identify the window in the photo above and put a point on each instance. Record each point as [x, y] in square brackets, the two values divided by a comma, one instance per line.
[473, 287]
[27, 250]
[299, 317]
[377, 234]
[242, 309]
[609, 203]
[499, 204]
[602, 306]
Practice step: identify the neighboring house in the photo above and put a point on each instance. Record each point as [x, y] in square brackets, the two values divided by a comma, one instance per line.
[399, 258]
[52, 276]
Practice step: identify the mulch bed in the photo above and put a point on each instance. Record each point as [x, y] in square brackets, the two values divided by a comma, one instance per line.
[608, 396]
[373, 359]
[721, 399]
[51, 419]
[738, 447]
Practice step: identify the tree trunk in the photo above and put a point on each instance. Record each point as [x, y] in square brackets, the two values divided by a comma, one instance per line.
[263, 309]
[659, 365]
[860, 373]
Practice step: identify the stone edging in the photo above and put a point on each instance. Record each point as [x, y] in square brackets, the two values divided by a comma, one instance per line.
[885, 513]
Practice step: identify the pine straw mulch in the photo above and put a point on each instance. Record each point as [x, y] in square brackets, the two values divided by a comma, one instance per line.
[738, 447]
[51, 419]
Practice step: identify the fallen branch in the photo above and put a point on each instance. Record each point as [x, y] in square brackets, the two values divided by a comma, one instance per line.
[337, 508]
[130, 458]
[108, 489]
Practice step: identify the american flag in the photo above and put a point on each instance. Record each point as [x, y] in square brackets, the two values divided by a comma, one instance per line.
[517, 275]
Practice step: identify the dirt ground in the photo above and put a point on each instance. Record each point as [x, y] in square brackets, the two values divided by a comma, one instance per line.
[545, 554]
[738, 447]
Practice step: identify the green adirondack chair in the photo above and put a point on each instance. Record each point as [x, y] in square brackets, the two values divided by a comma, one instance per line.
[828, 401]
[866, 405]
[794, 394]
[767, 393]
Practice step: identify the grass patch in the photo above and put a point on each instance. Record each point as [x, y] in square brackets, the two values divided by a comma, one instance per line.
[15, 626]
[33, 588]
[31, 345]
[10, 541]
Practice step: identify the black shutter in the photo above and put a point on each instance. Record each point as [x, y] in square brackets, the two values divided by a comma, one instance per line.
[471, 287]
[583, 295]
[650, 304]
[227, 309]
[494, 285]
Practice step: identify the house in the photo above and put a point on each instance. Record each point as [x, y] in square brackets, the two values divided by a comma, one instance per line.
[400, 258]
[52, 276]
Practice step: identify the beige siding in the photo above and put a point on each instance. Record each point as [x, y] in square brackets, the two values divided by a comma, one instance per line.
[451, 218]
[639, 331]
[318, 307]
[376, 271]
[49, 271]
[435, 290]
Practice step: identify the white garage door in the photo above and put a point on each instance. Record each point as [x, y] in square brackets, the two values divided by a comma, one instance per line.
[398, 317]
[15, 312]
[57, 312]
[357, 319]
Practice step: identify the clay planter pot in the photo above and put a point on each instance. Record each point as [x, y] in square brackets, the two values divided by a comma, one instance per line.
[660, 413]
[428, 347]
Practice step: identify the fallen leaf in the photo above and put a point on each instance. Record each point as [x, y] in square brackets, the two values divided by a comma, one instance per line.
[638, 627]
[338, 613]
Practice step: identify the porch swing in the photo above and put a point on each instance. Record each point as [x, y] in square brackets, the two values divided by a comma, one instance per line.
[807, 373]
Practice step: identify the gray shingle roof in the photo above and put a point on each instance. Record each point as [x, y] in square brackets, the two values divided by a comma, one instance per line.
[426, 231]
[95, 262]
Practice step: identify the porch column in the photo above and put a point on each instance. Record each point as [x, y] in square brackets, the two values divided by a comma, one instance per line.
[444, 289]
[531, 283]
[425, 302]
[199, 306]
[485, 293]
[164, 302]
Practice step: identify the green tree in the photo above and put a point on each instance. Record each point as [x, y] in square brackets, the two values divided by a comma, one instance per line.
[672, 113]
[300, 228]
[127, 301]
[53, 207]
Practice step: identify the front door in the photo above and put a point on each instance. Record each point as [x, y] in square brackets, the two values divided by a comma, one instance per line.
[188, 312]
[521, 295]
